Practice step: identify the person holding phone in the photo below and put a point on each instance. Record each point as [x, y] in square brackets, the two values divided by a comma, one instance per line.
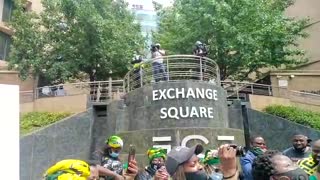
[110, 156]
[156, 169]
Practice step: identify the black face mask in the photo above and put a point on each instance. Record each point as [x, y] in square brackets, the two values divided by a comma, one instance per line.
[155, 166]
[301, 150]
[297, 174]
[151, 170]
[199, 175]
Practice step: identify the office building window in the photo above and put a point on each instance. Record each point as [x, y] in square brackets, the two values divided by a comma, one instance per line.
[142, 17]
[5, 42]
[7, 10]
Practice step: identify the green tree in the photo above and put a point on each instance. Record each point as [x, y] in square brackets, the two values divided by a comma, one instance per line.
[71, 37]
[243, 36]
[27, 44]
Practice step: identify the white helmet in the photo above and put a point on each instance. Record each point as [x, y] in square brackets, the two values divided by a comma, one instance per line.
[198, 43]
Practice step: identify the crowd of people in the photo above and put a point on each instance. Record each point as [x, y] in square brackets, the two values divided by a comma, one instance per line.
[299, 162]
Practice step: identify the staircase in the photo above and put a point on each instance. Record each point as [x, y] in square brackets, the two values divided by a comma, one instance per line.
[241, 90]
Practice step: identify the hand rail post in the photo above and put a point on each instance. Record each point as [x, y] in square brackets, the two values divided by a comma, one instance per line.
[124, 85]
[167, 73]
[110, 87]
[201, 73]
[269, 90]
[141, 76]
[237, 90]
[129, 81]
[251, 88]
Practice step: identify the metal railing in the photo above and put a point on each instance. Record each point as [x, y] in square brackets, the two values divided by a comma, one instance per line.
[98, 91]
[172, 68]
[168, 68]
[239, 90]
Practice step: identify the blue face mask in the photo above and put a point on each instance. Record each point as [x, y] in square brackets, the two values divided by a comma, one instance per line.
[114, 155]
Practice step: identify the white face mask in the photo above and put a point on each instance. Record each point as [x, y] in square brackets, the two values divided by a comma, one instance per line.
[216, 176]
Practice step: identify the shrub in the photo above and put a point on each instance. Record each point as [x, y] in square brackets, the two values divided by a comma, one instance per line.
[35, 120]
[301, 116]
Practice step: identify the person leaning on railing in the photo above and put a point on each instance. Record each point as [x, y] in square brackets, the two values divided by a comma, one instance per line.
[137, 63]
[202, 51]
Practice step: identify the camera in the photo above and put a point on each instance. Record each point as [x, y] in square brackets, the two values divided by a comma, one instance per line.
[240, 151]
[200, 49]
[154, 48]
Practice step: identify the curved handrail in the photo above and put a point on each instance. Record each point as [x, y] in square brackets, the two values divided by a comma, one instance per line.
[172, 68]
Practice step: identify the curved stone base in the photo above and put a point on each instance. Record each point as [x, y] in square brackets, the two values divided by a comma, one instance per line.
[144, 139]
[149, 107]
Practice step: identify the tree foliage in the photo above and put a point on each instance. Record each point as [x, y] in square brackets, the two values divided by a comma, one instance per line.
[70, 37]
[243, 36]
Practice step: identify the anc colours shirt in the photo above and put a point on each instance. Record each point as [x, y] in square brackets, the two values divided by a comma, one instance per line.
[309, 165]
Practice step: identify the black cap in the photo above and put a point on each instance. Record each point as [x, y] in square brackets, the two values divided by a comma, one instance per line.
[179, 155]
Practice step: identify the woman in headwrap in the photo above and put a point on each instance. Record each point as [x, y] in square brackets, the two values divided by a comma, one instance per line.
[156, 169]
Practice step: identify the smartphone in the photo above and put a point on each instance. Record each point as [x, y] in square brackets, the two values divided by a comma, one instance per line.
[162, 168]
[131, 156]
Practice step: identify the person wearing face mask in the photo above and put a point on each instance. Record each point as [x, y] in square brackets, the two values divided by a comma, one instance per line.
[299, 149]
[110, 156]
[156, 169]
[183, 164]
[272, 165]
[258, 147]
[310, 164]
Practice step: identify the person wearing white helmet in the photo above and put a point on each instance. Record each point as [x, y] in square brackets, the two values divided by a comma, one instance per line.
[158, 68]
[201, 51]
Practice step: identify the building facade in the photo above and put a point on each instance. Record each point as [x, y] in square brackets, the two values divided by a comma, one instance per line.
[148, 22]
[6, 7]
[9, 76]
[305, 78]
[308, 9]
[147, 17]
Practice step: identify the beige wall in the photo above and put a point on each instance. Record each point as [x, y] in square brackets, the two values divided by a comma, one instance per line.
[308, 8]
[311, 66]
[300, 82]
[309, 107]
[304, 98]
[259, 103]
[304, 82]
[74, 104]
[27, 107]
[12, 77]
